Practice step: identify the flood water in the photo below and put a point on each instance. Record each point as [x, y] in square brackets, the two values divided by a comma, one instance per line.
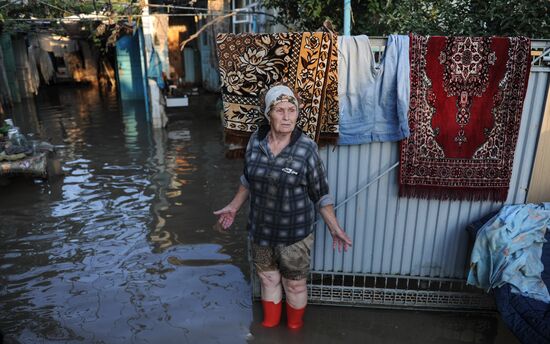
[121, 249]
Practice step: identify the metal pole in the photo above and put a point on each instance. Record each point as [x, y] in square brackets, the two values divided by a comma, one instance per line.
[367, 185]
[347, 17]
[349, 198]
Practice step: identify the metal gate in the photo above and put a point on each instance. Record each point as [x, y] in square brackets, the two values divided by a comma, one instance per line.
[409, 253]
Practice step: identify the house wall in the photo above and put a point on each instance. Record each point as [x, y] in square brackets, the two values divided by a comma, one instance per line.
[539, 188]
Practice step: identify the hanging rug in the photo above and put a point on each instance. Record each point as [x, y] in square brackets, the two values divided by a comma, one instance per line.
[465, 111]
[250, 63]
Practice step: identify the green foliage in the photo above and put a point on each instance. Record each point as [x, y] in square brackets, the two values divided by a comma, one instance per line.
[431, 17]
[102, 35]
[4, 128]
[39, 9]
[45, 8]
[310, 14]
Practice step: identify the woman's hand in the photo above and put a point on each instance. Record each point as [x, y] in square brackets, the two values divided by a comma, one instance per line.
[226, 216]
[228, 213]
[340, 239]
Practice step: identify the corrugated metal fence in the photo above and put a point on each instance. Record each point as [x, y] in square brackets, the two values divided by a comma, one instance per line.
[409, 252]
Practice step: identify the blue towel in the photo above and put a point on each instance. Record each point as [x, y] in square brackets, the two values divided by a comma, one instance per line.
[508, 249]
[374, 98]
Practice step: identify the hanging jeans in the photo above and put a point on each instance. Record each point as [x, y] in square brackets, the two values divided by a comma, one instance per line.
[374, 97]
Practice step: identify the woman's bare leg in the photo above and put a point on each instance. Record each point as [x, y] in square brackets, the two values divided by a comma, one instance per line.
[296, 292]
[270, 282]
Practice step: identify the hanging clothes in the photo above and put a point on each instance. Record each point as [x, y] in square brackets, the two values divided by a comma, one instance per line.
[32, 53]
[374, 97]
[42, 59]
[155, 69]
[46, 66]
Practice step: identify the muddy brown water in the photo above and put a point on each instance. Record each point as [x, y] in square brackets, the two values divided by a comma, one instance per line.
[121, 249]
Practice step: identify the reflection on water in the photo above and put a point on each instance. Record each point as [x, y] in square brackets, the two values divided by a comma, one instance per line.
[121, 248]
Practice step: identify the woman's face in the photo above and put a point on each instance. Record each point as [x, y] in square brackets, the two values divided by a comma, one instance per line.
[283, 117]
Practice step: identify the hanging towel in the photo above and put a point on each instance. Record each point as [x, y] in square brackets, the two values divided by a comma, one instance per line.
[42, 58]
[33, 52]
[466, 103]
[374, 97]
[46, 66]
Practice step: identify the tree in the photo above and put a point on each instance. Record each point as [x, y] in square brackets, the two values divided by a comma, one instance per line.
[46, 16]
[431, 17]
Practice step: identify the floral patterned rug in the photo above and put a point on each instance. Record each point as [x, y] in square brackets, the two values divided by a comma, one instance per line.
[250, 63]
[465, 111]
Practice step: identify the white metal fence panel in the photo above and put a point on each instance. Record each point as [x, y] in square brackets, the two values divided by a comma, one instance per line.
[407, 236]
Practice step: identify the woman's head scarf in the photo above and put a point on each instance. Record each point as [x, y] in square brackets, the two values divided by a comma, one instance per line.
[278, 94]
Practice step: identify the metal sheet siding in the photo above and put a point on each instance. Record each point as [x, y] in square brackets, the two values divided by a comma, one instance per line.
[9, 65]
[129, 73]
[414, 237]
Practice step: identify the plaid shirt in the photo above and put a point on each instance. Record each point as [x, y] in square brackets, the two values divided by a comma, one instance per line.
[283, 189]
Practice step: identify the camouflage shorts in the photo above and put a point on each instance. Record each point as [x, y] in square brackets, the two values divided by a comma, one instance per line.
[292, 261]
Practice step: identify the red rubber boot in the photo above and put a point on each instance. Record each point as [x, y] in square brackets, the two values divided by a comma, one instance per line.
[294, 317]
[272, 313]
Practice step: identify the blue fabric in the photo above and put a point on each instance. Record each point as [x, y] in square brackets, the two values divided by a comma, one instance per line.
[508, 249]
[527, 318]
[374, 98]
[155, 69]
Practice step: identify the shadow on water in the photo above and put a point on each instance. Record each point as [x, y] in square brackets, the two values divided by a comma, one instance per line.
[121, 249]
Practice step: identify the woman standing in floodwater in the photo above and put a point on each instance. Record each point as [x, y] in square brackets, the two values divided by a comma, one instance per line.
[286, 181]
